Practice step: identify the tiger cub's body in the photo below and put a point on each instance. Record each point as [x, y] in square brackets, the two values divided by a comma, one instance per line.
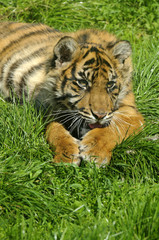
[84, 78]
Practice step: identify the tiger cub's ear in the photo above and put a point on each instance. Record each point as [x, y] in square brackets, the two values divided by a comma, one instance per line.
[122, 50]
[64, 51]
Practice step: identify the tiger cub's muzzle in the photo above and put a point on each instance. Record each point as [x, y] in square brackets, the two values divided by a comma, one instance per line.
[100, 119]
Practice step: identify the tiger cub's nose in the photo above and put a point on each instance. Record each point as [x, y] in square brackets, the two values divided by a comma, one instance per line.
[99, 114]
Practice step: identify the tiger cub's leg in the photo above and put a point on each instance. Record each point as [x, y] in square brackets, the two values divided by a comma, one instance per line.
[97, 144]
[66, 147]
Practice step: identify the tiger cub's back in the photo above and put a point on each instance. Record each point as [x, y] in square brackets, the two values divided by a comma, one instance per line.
[25, 50]
[27, 55]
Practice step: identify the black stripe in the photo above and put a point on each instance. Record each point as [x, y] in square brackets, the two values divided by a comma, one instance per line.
[27, 74]
[32, 70]
[86, 54]
[15, 30]
[72, 96]
[99, 60]
[90, 61]
[94, 75]
[115, 87]
[86, 68]
[77, 101]
[94, 49]
[68, 95]
[73, 104]
[15, 65]
[84, 37]
[81, 109]
[96, 69]
[9, 82]
[27, 46]
[85, 112]
[63, 84]
[112, 44]
[22, 90]
[44, 31]
[75, 83]
[106, 63]
[69, 79]
[104, 70]
[28, 26]
[114, 76]
[81, 74]
[88, 89]
[113, 97]
[73, 71]
[85, 46]
[74, 89]
[119, 87]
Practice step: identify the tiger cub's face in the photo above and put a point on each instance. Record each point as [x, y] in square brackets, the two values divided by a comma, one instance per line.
[90, 83]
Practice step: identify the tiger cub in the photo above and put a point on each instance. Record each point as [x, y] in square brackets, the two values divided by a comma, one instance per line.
[83, 78]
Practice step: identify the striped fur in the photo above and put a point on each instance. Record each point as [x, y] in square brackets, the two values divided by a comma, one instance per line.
[86, 73]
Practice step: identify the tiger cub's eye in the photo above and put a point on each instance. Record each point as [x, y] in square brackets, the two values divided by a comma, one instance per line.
[82, 83]
[111, 85]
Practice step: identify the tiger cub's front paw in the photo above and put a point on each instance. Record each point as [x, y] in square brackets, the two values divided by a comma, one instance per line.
[93, 147]
[66, 147]
[67, 151]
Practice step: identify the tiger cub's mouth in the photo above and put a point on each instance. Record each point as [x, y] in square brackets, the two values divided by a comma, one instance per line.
[90, 126]
[97, 125]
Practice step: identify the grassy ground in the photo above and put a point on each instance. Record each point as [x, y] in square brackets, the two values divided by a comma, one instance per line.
[41, 201]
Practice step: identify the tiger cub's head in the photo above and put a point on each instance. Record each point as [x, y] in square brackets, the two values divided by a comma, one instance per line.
[89, 83]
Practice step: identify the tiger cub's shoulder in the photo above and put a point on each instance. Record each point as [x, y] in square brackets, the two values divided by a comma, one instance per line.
[20, 27]
[25, 50]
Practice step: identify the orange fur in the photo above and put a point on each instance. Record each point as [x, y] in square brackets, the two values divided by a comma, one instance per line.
[66, 146]
[83, 77]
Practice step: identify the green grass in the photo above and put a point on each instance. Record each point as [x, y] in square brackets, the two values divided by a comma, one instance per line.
[42, 201]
